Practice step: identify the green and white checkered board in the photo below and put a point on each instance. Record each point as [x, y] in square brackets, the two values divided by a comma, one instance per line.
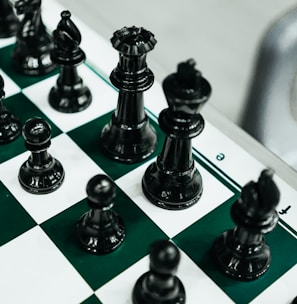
[40, 258]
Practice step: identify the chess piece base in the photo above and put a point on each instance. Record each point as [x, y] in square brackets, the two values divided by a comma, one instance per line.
[100, 241]
[173, 191]
[128, 145]
[70, 99]
[43, 180]
[241, 262]
[27, 64]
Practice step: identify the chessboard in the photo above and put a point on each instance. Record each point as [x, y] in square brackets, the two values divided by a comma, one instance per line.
[41, 260]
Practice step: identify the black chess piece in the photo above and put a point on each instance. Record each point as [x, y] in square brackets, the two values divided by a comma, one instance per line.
[10, 126]
[242, 252]
[31, 55]
[129, 137]
[294, 301]
[9, 22]
[173, 181]
[100, 230]
[160, 285]
[41, 173]
[69, 95]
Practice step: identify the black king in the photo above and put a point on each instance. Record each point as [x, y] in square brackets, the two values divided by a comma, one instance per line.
[173, 181]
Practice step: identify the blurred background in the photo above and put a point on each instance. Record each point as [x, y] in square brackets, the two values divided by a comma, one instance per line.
[223, 36]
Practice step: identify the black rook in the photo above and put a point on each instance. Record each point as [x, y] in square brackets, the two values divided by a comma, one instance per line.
[129, 137]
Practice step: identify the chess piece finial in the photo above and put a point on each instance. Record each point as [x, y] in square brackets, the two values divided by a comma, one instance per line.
[41, 173]
[160, 284]
[10, 126]
[31, 55]
[173, 181]
[242, 252]
[100, 230]
[69, 95]
[129, 137]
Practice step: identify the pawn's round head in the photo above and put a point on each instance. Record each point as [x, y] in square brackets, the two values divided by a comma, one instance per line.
[101, 192]
[164, 257]
[37, 133]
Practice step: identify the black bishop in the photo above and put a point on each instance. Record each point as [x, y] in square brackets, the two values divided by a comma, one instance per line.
[69, 95]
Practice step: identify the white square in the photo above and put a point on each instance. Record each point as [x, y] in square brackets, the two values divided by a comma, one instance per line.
[33, 271]
[104, 100]
[7, 41]
[198, 286]
[281, 291]
[170, 221]
[237, 163]
[79, 169]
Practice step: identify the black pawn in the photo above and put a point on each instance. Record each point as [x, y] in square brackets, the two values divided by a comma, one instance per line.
[242, 252]
[31, 55]
[69, 95]
[10, 126]
[173, 181]
[294, 301]
[129, 137]
[160, 285]
[8, 21]
[100, 230]
[41, 173]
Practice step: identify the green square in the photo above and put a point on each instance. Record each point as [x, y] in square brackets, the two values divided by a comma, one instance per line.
[99, 269]
[91, 300]
[198, 239]
[14, 220]
[88, 138]
[22, 81]
[22, 108]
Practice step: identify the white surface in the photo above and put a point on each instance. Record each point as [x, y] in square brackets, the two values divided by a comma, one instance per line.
[38, 274]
